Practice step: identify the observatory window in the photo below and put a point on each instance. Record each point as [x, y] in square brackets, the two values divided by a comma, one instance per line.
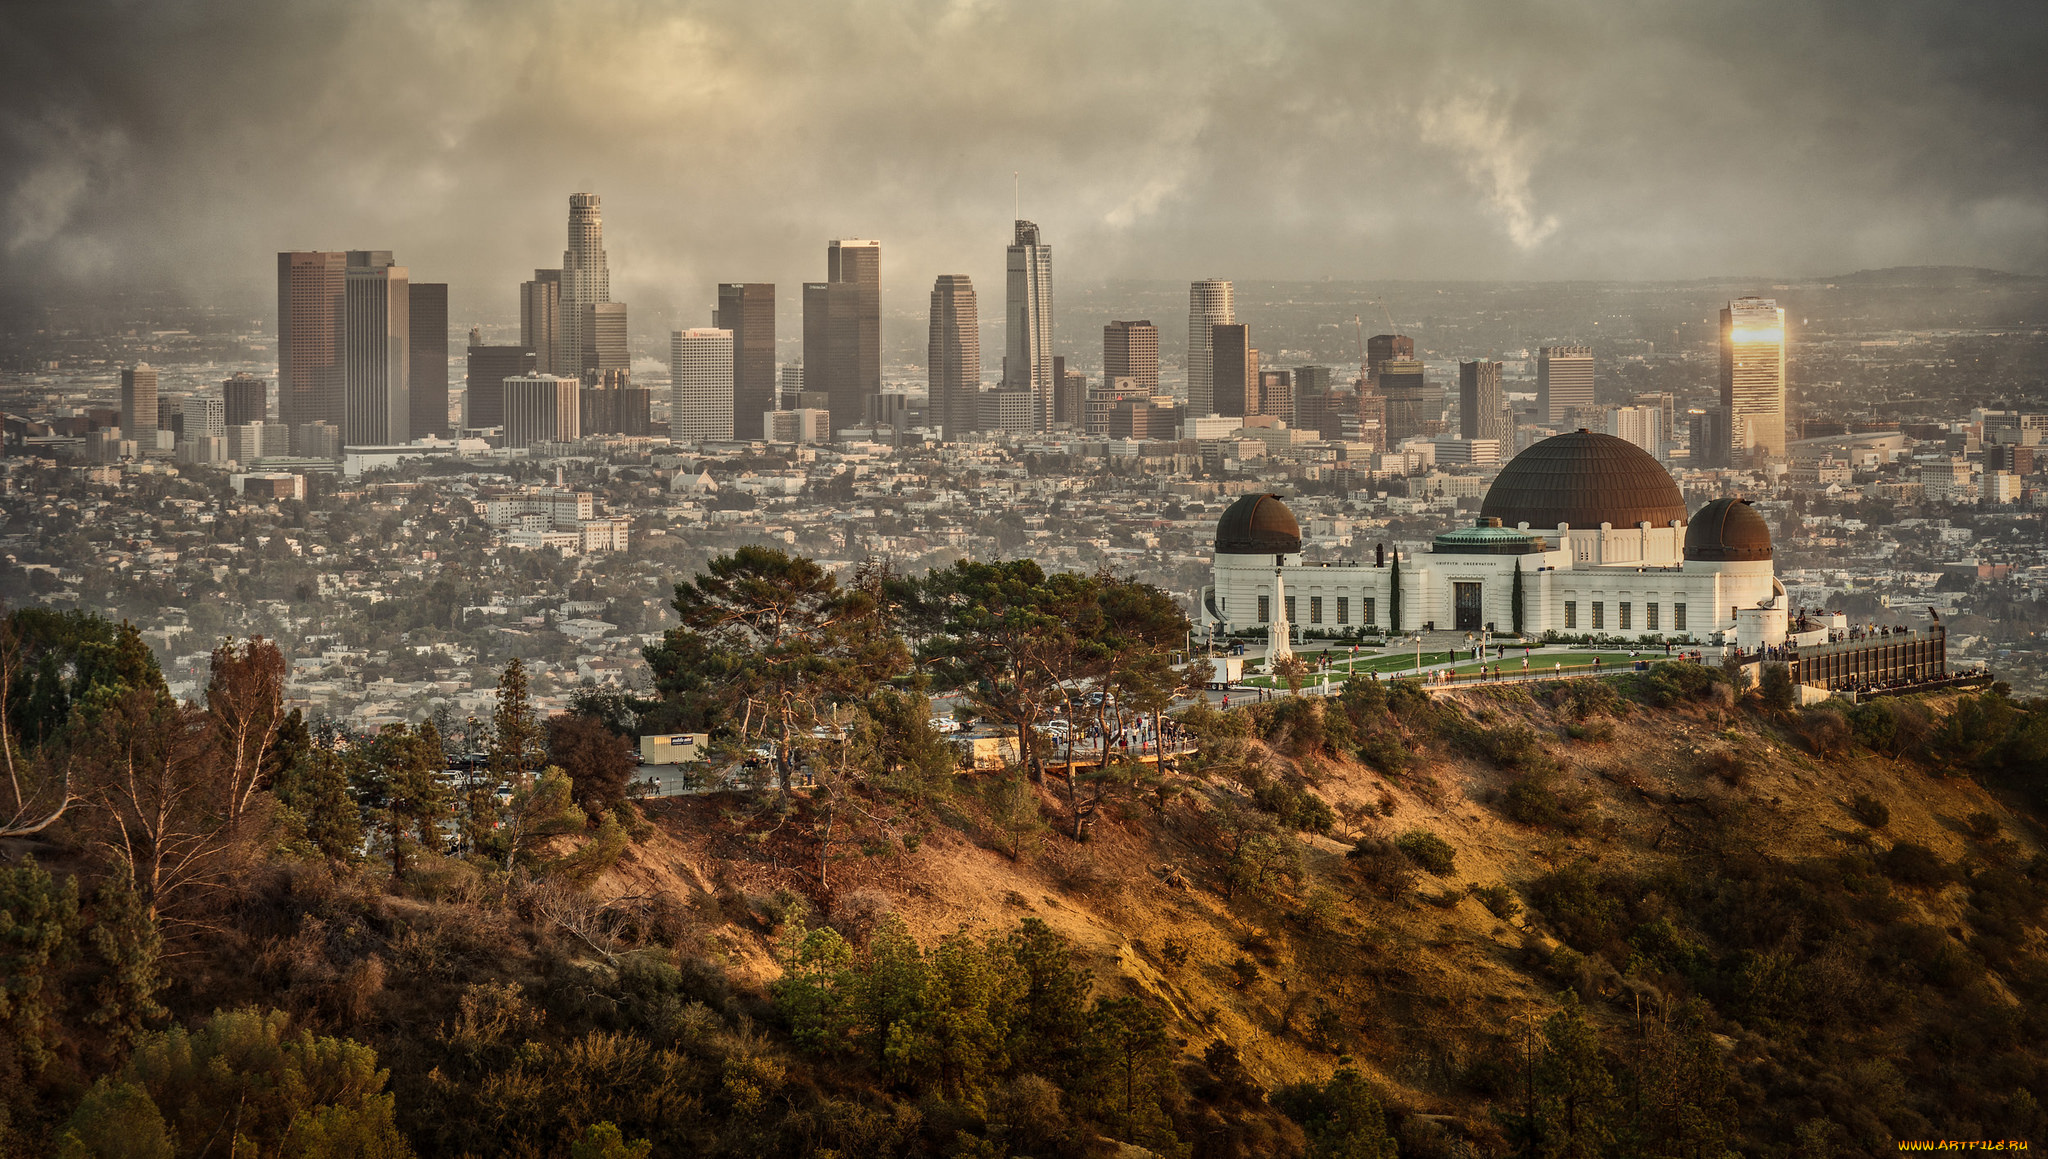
[1678, 617]
[1650, 616]
[1571, 614]
[1626, 607]
[1343, 609]
[1365, 612]
[1290, 610]
[1599, 615]
[1265, 609]
[1315, 609]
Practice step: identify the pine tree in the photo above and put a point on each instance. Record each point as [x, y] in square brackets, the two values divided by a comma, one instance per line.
[519, 742]
[37, 917]
[123, 946]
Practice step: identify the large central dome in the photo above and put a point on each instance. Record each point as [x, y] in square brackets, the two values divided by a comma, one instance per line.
[1584, 479]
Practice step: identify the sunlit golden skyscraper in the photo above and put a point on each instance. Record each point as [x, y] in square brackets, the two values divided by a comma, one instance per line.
[1753, 375]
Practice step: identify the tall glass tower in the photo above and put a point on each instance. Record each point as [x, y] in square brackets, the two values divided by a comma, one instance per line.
[953, 357]
[1211, 302]
[1753, 376]
[1027, 361]
[586, 280]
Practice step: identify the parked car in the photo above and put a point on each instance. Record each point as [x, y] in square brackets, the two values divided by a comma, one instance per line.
[945, 724]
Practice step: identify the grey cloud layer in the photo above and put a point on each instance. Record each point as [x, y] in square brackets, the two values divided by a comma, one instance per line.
[181, 143]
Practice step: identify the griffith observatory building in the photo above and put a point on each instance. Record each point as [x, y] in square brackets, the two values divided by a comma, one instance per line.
[1587, 532]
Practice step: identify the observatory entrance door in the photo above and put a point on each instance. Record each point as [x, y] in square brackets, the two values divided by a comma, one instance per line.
[1465, 603]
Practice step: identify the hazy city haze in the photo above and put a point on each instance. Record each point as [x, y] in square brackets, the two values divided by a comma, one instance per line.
[181, 145]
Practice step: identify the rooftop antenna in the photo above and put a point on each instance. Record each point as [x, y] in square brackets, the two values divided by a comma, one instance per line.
[1016, 196]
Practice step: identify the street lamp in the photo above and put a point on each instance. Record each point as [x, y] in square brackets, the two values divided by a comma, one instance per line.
[1418, 655]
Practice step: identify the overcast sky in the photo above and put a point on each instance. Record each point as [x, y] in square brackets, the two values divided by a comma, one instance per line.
[167, 144]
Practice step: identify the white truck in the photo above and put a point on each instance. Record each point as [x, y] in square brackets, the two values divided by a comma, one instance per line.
[1225, 671]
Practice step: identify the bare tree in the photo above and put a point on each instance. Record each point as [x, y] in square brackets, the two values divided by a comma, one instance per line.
[154, 785]
[245, 703]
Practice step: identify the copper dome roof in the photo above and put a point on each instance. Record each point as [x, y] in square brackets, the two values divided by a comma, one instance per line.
[1584, 479]
[1728, 530]
[1258, 525]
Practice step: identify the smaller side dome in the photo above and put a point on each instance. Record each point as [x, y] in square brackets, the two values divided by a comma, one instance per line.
[1258, 524]
[1728, 531]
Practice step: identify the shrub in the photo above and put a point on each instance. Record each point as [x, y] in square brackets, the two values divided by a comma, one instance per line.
[1870, 811]
[1666, 684]
[1579, 699]
[1909, 863]
[1595, 732]
[1983, 826]
[1729, 767]
[1535, 800]
[1510, 747]
[1498, 899]
[1428, 851]
[1296, 808]
[1823, 731]
[1384, 751]
[1382, 867]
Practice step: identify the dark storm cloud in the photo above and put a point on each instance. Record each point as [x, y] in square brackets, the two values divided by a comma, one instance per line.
[182, 143]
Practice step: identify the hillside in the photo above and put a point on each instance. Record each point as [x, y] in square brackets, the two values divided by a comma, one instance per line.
[1428, 990]
[1634, 916]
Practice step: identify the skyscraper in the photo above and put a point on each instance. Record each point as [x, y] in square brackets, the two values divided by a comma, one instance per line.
[1753, 376]
[202, 417]
[138, 405]
[310, 290]
[953, 356]
[1564, 380]
[540, 318]
[748, 310]
[1276, 395]
[1234, 370]
[483, 398]
[377, 357]
[1641, 425]
[1667, 408]
[1411, 404]
[1210, 303]
[700, 384]
[604, 339]
[586, 279]
[1027, 318]
[1707, 430]
[1386, 348]
[428, 308]
[1479, 401]
[542, 408]
[247, 398]
[1131, 350]
[1310, 381]
[832, 350]
[857, 262]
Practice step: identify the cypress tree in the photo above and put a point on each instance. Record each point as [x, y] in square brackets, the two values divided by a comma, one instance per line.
[1394, 594]
[1517, 597]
